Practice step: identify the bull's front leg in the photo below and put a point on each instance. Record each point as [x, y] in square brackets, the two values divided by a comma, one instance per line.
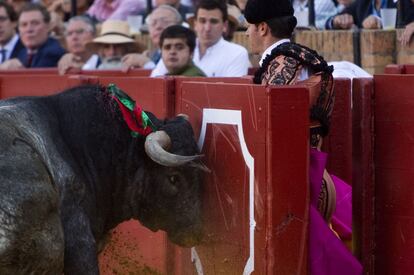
[80, 245]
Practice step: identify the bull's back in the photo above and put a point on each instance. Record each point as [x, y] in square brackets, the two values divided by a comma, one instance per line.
[31, 236]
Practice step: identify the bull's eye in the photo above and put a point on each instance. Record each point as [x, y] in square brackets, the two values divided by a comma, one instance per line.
[171, 187]
[173, 179]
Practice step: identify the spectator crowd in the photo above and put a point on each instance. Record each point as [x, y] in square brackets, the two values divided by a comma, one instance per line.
[46, 33]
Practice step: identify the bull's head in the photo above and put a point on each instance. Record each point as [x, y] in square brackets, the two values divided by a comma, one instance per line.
[175, 179]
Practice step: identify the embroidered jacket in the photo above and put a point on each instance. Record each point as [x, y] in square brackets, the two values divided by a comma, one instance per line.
[284, 66]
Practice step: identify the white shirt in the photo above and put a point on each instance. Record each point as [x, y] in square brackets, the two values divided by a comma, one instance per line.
[304, 73]
[159, 69]
[91, 63]
[9, 47]
[348, 70]
[223, 59]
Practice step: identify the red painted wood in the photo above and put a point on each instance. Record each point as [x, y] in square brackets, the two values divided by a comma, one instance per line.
[338, 143]
[363, 172]
[31, 71]
[183, 79]
[252, 70]
[275, 126]
[133, 72]
[394, 171]
[408, 69]
[32, 85]
[394, 69]
[153, 94]
[288, 159]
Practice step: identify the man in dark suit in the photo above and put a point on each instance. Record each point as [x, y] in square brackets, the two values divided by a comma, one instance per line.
[10, 44]
[40, 50]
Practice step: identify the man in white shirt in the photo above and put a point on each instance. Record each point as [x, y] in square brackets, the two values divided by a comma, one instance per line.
[9, 40]
[214, 55]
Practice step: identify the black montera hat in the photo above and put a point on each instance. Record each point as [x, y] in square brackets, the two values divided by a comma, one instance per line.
[257, 11]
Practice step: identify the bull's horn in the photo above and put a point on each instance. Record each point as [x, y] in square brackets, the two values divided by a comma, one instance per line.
[155, 146]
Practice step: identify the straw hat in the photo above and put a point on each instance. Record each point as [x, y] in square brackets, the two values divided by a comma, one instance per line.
[116, 32]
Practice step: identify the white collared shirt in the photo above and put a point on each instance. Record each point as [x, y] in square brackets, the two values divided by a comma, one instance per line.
[9, 47]
[304, 73]
[223, 59]
[270, 49]
[91, 63]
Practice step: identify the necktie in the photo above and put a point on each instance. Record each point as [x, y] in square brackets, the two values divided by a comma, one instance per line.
[29, 59]
[3, 55]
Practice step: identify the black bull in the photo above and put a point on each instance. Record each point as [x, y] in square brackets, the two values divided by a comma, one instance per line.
[70, 171]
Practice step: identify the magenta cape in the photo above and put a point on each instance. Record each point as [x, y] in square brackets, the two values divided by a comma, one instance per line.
[328, 254]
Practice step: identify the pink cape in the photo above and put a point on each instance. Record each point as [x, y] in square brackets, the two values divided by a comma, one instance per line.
[328, 254]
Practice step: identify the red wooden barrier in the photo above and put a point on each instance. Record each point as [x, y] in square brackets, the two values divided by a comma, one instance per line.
[253, 221]
[363, 171]
[33, 71]
[394, 171]
[267, 113]
[133, 72]
[32, 85]
[399, 69]
[252, 70]
[54, 71]
[409, 68]
[180, 80]
[394, 69]
[338, 143]
[154, 94]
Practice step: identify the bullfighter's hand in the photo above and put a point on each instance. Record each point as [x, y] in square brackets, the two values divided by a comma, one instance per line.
[11, 64]
[134, 60]
[371, 22]
[343, 21]
[407, 35]
[69, 61]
